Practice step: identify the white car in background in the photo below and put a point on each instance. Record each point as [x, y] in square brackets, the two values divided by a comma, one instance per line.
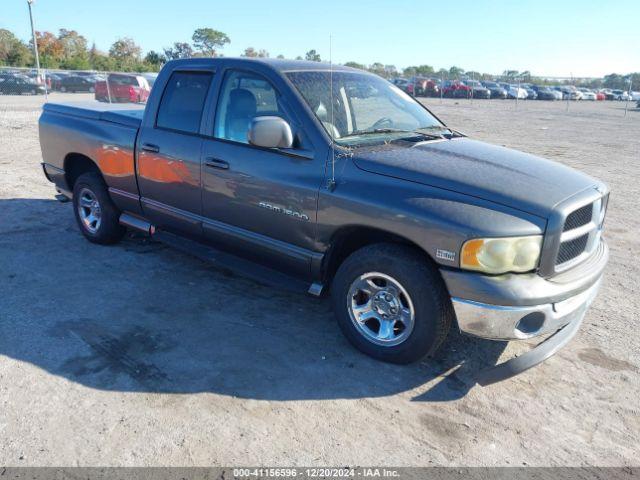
[587, 94]
[513, 91]
[635, 96]
[620, 95]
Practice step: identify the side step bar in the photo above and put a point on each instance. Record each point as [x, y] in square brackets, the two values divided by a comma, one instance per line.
[222, 259]
[135, 223]
[241, 266]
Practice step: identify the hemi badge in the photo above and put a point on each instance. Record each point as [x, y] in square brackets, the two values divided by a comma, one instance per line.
[446, 255]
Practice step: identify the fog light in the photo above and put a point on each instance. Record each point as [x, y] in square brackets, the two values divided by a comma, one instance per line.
[531, 322]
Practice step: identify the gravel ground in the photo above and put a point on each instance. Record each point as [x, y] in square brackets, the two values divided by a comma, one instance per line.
[139, 355]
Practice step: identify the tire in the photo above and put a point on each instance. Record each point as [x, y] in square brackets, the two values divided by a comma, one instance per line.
[63, 89]
[104, 227]
[421, 291]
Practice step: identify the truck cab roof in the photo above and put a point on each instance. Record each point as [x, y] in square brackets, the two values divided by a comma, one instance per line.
[278, 64]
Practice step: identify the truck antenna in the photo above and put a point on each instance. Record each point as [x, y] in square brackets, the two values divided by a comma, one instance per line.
[332, 182]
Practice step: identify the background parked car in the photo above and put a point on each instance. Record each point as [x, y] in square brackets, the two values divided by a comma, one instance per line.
[531, 93]
[122, 88]
[19, 85]
[56, 79]
[403, 84]
[455, 89]
[150, 77]
[78, 83]
[620, 95]
[496, 90]
[513, 91]
[587, 94]
[424, 87]
[545, 93]
[477, 89]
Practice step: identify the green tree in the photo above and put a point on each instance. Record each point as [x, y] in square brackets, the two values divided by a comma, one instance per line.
[154, 58]
[179, 50]
[313, 56]
[356, 65]
[207, 41]
[126, 53]
[73, 44]
[455, 72]
[377, 68]
[13, 51]
[252, 52]
[280, 57]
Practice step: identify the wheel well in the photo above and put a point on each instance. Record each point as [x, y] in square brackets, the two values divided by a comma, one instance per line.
[75, 164]
[348, 240]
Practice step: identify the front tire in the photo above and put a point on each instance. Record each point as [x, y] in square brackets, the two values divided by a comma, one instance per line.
[97, 216]
[391, 303]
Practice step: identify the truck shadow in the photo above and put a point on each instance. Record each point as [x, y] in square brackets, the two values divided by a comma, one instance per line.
[141, 317]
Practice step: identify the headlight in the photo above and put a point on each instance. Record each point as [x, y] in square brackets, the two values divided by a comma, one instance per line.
[500, 255]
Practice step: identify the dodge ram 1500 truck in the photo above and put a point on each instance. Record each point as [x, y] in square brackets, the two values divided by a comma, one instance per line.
[330, 178]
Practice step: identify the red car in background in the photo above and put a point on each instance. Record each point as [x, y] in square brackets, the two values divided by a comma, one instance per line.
[123, 88]
[456, 89]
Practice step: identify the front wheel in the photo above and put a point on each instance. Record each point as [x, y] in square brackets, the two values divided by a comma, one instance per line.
[391, 303]
[97, 216]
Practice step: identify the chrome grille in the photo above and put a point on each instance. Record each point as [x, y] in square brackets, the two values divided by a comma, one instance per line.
[580, 233]
[572, 248]
[580, 217]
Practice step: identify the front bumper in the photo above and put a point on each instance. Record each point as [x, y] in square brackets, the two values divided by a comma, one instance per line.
[499, 322]
[517, 307]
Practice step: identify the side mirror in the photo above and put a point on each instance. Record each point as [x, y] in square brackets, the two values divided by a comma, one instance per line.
[270, 132]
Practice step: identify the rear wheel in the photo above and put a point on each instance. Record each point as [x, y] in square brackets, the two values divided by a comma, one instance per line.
[97, 216]
[391, 303]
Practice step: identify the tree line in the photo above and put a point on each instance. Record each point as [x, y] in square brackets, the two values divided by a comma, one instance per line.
[70, 50]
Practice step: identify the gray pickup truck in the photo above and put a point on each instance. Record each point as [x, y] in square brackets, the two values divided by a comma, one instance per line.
[325, 178]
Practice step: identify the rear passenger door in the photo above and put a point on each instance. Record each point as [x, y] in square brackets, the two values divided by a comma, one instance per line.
[168, 154]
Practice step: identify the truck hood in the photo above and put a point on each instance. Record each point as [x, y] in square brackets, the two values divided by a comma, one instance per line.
[497, 174]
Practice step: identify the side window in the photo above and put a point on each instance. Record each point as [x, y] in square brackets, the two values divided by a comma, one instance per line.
[183, 101]
[243, 96]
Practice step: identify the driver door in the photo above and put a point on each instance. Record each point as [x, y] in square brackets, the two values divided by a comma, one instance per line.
[258, 202]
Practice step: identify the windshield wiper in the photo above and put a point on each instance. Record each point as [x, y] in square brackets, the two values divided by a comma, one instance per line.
[410, 133]
[452, 133]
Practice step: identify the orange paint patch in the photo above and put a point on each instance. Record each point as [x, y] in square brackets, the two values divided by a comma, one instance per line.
[115, 162]
[160, 169]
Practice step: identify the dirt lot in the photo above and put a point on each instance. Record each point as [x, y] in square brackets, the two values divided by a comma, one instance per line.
[140, 355]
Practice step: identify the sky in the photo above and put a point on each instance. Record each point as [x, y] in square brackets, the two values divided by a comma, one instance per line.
[550, 38]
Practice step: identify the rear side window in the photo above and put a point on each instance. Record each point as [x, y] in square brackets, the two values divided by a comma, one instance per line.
[183, 101]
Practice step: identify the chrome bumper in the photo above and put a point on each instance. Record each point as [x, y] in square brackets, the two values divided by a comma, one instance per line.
[563, 317]
[496, 322]
[524, 306]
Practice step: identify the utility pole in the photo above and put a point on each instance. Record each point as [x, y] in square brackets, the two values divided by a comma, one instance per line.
[33, 35]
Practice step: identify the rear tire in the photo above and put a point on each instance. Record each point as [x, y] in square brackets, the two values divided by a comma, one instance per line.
[97, 216]
[398, 283]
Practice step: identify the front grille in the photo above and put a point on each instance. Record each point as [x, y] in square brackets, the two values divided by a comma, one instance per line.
[578, 218]
[572, 248]
[574, 232]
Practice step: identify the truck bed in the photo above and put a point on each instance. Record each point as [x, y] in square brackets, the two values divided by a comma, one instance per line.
[126, 114]
[102, 133]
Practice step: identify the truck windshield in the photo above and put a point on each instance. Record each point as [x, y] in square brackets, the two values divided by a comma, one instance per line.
[366, 108]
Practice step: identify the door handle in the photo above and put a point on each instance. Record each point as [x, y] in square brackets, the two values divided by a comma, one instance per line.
[216, 163]
[150, 147]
